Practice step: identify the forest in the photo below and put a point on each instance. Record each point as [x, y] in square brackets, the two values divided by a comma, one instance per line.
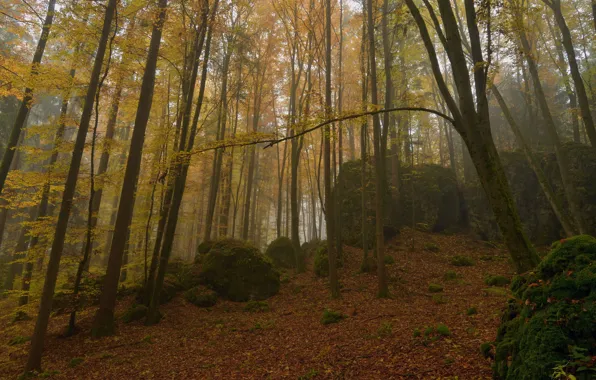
[300, 189]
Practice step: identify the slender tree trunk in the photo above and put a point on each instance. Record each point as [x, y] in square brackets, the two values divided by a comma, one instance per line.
[552, 198]
[580, 88]
[103, 323]
[329, 203]
[45, 307]
[379, 167]
[562, 157]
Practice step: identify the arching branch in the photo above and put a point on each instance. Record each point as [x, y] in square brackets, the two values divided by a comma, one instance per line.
[271, 142]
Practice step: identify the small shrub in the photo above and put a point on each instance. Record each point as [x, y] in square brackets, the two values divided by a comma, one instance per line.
[431, 247]
[311, 374]
[201, 296]
[417, 333]
[472, 311]
[256, 306]
[388, 259]
[442, 330]
[428, 331]
[19, 316]
[331, 316]
[496, 280]
[435, 288]
[134, 313]
[450, 275]
[385, 329]
[321, 261]
[19, 339]
[462, 261]
[439, 299]
[74, 362]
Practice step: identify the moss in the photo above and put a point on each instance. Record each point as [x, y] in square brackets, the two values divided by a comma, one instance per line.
[135, 313]
[499, 292]
[201, 296]
[205, 247]
[331, 316]
[236, 270]
[19, 339]
[431, 247]
[75, 362]
[496, 280]
[435, 288]
[256, 306]
[19, 316]
[321, 264]
[462, 261]
[472, 311]
[450, 275]
[416, 333]
[550, 321]
[186, 275]
[388, 259]
[282, 253]
[439, 299]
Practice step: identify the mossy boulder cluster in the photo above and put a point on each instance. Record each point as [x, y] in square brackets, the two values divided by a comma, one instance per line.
[549, 324]
[282, 253]
[237, 270]
[536, 214]
[427, 197]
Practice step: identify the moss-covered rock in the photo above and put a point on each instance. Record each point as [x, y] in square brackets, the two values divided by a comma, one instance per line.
[201, 296]
[321, 264]
[282, 253]
[538, 219]
[186, 275]
[550, 321]
[428, 196]
[134, 313]
[238, 271]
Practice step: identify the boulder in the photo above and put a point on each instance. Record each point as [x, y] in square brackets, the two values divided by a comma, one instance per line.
[237, 270]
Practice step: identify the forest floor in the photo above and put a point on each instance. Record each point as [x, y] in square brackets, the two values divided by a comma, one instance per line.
[376, 340]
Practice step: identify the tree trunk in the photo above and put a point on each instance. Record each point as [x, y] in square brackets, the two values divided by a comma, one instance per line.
[379, 167]
[562, 157]
[103, 323]
[580, 88]
[329, 204]
[45, 307]
[552, 198]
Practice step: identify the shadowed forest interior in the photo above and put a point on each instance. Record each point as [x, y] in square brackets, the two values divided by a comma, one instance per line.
[336, 189]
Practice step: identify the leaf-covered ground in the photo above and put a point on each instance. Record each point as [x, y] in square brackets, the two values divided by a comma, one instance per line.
[376, 340]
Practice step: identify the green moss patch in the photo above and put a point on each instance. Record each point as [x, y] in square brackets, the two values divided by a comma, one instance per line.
[282, 253]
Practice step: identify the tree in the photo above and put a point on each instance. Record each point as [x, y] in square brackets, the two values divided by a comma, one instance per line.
[103, 323]
[329, 204]
[378, 152]
[45, 306]
[472, 121]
